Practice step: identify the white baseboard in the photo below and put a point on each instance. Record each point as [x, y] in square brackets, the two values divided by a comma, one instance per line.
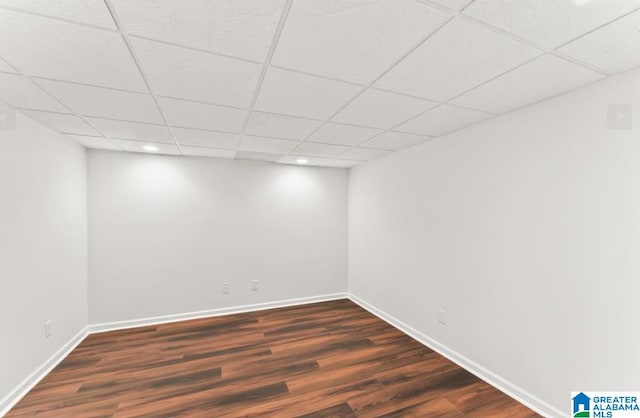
[23, 388]
[498, 382]
[112, 326]
[27, 384]
[517, 393]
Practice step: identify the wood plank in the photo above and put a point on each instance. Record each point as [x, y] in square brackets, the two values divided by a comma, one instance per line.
[330, 359]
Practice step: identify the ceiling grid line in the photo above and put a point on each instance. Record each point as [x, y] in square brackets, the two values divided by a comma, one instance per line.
[263, 73]
[391, 67]
[522, 64]
[125, 38]
[71, 111]
[192, 48]
[455, 14]
[395, 127]
[178, 126]
[239, 107]
[532, 44]
[599, 27]
[412, 96]
[551, 97]
[58, 18]
[245, 108]
[110, 22]
[426, 2]
[459, 14]
[553, 50]
[579, 62]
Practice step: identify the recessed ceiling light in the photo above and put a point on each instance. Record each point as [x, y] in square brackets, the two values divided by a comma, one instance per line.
[151, 148]
[302, 161]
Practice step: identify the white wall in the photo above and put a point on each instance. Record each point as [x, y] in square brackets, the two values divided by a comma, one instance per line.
[166, 232]
[43, 246]
[526, 229]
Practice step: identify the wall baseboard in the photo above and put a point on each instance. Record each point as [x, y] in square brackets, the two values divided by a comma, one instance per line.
[113, 326]
[23, 388]
[27, 384]
[517, 393]
[522, 396]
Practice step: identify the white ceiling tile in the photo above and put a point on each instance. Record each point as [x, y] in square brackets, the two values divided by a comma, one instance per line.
[321, 150]
[454, 5]
[138, 146]
[188, 74]
[18, 91]
[363, 154]
[303, 95]
[339, 134]
[440, 68]
[208, 152]
[257, 156]
[62, 123]
[319, 161]
[278, 126]
[104, 103]
[394, 141]
[50, 48]
[200, 138]
[613, 48]
[95, 142]
[542, 78]
[352, 40]
[381, 109]
[237, 28]
[268, 145]
[5, 67]
[549, 22]
[91, 12]
[443, 119]
[132, 130]
[197, 115]
[355, 41]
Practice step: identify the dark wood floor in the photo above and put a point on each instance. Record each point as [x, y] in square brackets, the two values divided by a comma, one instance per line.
[329, 359]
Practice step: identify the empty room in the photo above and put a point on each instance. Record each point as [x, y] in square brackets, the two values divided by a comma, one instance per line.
[319, 208]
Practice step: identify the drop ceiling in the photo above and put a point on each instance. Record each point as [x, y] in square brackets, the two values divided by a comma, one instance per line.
[336, 82]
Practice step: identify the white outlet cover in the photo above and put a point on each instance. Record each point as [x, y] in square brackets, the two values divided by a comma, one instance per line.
[442, 317]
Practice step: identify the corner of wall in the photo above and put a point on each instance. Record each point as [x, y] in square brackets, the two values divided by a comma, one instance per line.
[531, 401]
[12, 398]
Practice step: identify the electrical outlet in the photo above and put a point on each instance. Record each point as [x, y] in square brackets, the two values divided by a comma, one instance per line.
[442, 316]
[256, 285]
[226, 288]
[48, 328]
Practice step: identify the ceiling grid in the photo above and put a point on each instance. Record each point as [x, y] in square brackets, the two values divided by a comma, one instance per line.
[335, 83]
